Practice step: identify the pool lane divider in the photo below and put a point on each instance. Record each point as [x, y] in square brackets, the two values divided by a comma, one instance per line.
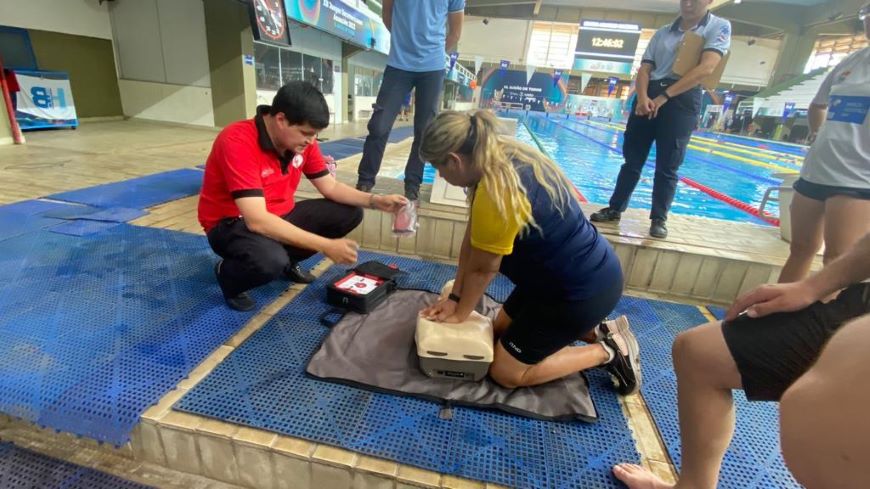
[767, 180]
[723, 154]
[739, 204]
[537, 141]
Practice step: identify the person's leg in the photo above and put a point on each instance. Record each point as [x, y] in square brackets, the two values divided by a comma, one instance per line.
[322, 217]
[249, 259]
[535, 346]
[847, 219]
[639, 135]
[823, 415]
[393, 87]
[429, 86]
[673, 134]
[706, 373]
[807, 223]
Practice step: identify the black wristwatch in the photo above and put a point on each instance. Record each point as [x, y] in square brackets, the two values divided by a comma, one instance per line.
[453, 297]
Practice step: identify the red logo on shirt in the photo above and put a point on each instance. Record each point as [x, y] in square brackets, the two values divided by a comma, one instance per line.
[265, 173]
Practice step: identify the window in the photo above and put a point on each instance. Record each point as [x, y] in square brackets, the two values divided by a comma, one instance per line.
[367, 82]
[830, 50]
[552, 45]
[276, 66]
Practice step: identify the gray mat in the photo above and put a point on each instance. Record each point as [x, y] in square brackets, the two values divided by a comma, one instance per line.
[377, 351]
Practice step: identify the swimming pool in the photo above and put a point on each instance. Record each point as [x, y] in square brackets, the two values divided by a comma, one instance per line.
[722, 174]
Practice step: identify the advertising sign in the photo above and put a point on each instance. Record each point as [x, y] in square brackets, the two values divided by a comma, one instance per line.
[45, 100]
[349, 20]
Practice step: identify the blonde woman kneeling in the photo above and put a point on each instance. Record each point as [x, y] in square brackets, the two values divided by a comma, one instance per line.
[526, 223]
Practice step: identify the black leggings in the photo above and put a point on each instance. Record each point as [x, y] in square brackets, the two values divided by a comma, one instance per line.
[541, 326]
[251, 259]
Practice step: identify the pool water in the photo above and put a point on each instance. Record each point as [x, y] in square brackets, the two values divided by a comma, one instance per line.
[590, 154]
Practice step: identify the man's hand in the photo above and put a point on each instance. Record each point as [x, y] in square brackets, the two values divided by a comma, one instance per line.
[773, 298]
[389, 203]
[657, 104]
[644, 106]
[342, 251]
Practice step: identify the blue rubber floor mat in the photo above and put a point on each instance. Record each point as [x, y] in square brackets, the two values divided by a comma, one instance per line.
[28, 216]
[86, 212]
[96, 329]
[717, 312]
[754, 459]
[80, 227]
[24, 469]
[262, 384]
[138, 193]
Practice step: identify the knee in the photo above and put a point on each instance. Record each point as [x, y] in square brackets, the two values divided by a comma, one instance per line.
[506, 379]
[378, 125]
[685, 353]
[268, 266]
[805, 247]
[354, 218]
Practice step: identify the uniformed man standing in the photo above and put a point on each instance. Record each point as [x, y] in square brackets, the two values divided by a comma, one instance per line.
[666, 110]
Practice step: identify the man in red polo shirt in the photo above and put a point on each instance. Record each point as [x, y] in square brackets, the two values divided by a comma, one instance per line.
[247, 208]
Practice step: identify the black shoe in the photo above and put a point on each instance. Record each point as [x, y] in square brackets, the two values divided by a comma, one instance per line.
[658, 229]
[294, 272]
[605, 215]
[241, 302]
[364, 187]
[624, 368]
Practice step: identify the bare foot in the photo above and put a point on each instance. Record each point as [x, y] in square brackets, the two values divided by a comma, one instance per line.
[637, 477]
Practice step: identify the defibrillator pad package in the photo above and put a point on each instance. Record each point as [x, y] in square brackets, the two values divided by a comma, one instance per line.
[405, 221]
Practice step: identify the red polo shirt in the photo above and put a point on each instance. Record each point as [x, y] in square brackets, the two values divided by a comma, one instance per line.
[244, 163]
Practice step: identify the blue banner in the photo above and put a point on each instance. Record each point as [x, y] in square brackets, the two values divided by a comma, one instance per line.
[511, 90]
[729, 99]
[359, 26]
[611, 85]
[503, 66]
[453, 57]
[557, 75]
[787, 110]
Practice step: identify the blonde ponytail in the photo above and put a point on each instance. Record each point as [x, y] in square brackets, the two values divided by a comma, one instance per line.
[493, 155]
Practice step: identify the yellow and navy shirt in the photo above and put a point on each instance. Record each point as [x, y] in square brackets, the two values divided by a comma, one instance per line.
[566, 259]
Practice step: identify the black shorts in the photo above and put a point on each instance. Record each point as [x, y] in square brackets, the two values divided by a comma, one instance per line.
[540, 326]
[816, 191]
[773, 351]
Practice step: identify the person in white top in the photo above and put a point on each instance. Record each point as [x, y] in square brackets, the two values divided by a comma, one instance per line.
[832, 197]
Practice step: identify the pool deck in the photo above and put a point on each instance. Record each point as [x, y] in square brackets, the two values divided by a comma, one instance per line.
[704, 261]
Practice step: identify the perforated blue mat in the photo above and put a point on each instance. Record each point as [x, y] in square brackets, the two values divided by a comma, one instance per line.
[28, 216]
[262, 384]
[138, 193]
[24, 469]
[96, 329]
[717, 312]
[754, 459]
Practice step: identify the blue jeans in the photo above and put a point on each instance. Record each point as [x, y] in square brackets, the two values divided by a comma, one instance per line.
[394, 88]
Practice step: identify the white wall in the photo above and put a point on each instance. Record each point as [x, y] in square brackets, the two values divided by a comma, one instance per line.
[161, 41]
[78, 17]
[162, 58]
[308, 40]
[751, 65]
[169, 103]
[500, 39]
[372, 60]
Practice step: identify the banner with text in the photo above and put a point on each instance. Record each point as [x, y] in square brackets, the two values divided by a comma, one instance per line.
[349, 20]
[45, 100]
[511, 90]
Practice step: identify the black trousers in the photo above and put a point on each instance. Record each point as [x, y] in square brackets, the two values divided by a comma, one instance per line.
[251, 259]
[671, 130]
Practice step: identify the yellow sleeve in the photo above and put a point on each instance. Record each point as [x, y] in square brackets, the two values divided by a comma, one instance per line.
[490, 231]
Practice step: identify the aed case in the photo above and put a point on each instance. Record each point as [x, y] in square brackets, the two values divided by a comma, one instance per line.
[363, 288]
